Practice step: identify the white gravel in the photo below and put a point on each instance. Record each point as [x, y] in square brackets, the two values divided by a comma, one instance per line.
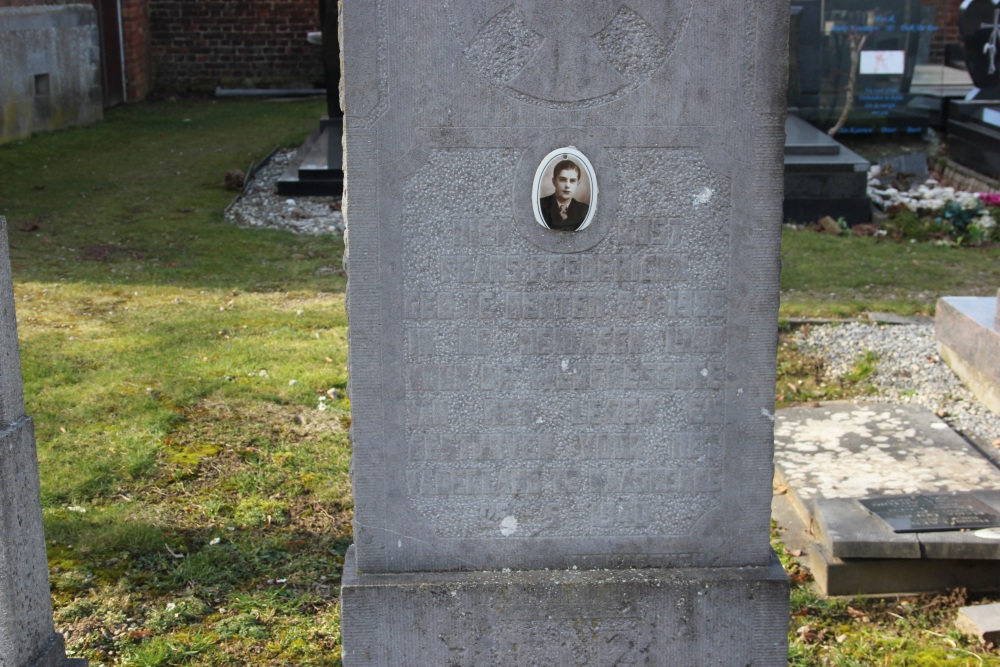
[260, 205]
[908, 370]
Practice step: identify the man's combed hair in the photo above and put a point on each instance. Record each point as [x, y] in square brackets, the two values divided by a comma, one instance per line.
[567, 164]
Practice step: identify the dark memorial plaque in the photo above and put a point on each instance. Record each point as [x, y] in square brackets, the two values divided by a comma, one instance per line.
[892, 38]
[929, 513]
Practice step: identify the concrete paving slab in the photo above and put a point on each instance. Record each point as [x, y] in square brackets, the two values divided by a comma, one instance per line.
[982, 621]
[848, 450]
[830, 456]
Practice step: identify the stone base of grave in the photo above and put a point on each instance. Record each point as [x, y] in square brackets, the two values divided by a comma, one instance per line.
[830, 457]
[968, 334]
[680, 617]
[822, 177]
[54, 655]
[27, 636]
[317, 170]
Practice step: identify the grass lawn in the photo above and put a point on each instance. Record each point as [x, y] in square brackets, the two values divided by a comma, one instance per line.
[187, 380]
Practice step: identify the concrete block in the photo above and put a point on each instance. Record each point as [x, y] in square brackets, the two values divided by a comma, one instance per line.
[51, 68]
[892, 576]
[676, 617]
[968, 335]
[981, 621]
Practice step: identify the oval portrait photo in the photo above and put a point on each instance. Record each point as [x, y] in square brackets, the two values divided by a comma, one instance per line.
[565, 191]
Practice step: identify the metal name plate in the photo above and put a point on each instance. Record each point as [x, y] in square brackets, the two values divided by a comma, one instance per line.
[927, 513]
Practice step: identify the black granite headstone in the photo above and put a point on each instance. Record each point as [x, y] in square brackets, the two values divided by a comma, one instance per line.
[317, 168]
[895, 33]
[979, 26]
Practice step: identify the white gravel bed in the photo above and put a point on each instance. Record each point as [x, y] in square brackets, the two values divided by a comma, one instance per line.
[260, 205]
[908, 370]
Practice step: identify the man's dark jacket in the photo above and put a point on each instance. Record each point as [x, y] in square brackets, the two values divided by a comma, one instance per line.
[576, 214]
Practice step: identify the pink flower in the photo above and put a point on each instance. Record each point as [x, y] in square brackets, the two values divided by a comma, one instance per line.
[990, 198]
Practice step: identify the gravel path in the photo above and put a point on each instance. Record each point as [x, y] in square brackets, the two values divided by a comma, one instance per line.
[261, 206]
[908, 370]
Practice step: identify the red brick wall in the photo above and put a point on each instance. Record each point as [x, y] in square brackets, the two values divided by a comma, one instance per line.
[946, 18]
[33, 3]
[200, 44]
[136, 44]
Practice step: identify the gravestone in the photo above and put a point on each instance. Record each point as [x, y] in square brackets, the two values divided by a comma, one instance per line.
[27, 635]
[897, 35]
[974, 123]
[317, 168]
[563, 234]
[895, 501]
[979, 26]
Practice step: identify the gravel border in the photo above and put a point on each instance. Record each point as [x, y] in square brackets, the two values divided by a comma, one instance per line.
[909, 371]
[260, 205]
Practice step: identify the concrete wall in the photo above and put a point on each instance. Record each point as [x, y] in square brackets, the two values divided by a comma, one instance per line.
[49, 68]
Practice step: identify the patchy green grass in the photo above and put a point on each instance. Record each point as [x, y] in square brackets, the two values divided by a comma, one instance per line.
[845, 276]
[187, 381]
[188, 385]
[906, 631]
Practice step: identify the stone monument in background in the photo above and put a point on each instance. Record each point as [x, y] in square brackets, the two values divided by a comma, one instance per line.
[27, 635]
[563, 230]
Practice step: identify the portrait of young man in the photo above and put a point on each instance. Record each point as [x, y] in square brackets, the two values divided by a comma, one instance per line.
[561, 210]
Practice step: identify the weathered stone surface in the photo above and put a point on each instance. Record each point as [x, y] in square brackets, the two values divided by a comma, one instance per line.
[51, 68]
[529, 399]
[847, 450]
[981, 621]
[25, 610]
[11, 387]
[525, 398]
[891, 576]
[675, 616]
[968, 334]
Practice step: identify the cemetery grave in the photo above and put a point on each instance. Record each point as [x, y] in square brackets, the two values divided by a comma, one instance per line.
[215, 530]
[226, 601]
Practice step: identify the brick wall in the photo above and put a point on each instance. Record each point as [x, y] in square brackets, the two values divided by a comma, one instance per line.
[946, 18]
[136, 45]
[200, 44]
[35, 3]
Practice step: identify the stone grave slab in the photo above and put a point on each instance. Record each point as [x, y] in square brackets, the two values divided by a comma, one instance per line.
[850, 531]
[831, 456]
[981, 621]
[968, 334]
[541, 389]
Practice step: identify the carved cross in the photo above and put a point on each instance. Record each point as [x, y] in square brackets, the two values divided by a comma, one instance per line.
[991, 46]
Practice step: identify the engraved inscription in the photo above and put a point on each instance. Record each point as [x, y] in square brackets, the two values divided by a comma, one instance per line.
[559, 395]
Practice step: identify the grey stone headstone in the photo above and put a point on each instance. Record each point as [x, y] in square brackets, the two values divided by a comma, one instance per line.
[527, 399]
[27, 635]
